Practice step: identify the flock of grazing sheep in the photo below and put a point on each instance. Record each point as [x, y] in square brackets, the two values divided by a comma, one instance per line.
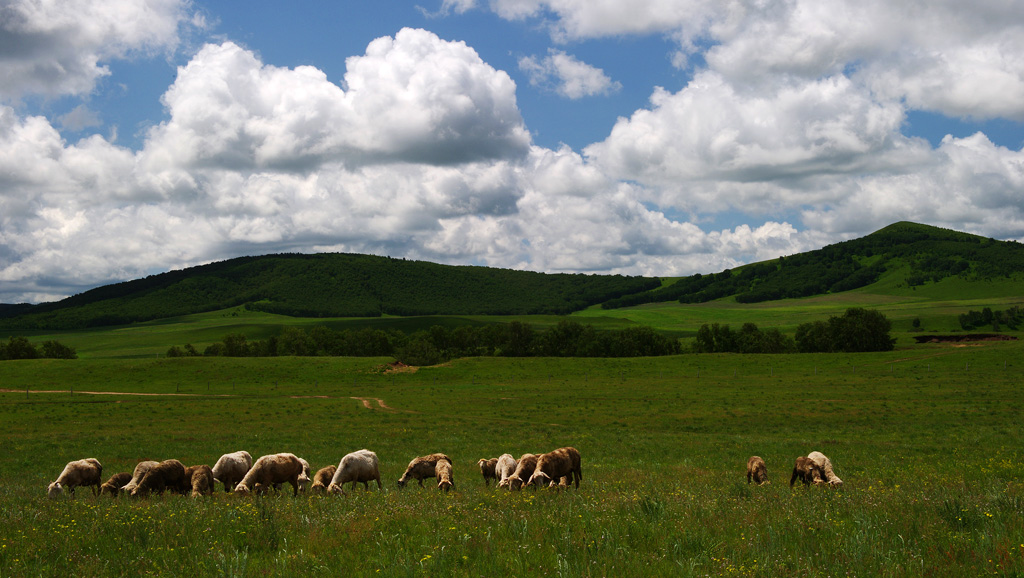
[238, 473]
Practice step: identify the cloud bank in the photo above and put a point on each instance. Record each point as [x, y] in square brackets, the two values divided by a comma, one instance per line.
[791, 123]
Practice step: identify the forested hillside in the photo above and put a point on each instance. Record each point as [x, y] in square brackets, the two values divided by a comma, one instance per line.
[329, 285]
[929, 253]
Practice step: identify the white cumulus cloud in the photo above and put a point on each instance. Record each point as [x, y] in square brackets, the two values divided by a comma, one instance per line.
[567, 75]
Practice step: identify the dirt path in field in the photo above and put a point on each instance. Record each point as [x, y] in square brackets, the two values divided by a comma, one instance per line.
[79, 392]
[368, 402]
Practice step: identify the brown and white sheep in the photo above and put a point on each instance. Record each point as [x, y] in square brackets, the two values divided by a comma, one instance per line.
[166, 474]
[422, 468]
[87, 472]
[198, 480]
[322, 479]
[443, 471]
[757, 471]
[140, 471]
[487, 469]
[524, 469]
[360, 466]
[555, 464]
[231, 468]
[505, 467]
[805, 470]
[114, 484]
[269, 470]
[822, 461]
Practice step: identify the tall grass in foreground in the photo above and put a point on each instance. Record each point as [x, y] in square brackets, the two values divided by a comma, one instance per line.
[928, 442]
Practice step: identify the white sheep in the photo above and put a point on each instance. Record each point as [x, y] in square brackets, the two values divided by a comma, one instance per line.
[504, 469]
[231, 468]
[822, 461]
[360, 466]
[87, 472]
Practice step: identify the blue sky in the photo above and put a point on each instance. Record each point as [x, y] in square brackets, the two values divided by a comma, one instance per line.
[654, 137]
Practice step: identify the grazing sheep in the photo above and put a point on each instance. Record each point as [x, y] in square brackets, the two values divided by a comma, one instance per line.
[360, 466]
[141, 469]
[555, 464]
[166, 474]
[87, 472]
[757, 471]
[524, 469]
[825, 464]
[443, 471]
[322, 479]
[422, 468]
[269, 470]
[487, 469]
[304, 476]
[506, 467]
[115, 483]
[806, 471]
[231, 468]
[198, 479]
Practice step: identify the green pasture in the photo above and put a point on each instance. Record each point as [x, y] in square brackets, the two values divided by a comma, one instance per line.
[927, 439]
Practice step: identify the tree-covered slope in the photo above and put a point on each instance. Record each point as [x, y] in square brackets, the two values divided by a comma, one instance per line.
[329, 285]
[928, 254]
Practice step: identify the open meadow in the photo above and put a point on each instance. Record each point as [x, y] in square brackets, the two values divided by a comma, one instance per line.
[928, 440]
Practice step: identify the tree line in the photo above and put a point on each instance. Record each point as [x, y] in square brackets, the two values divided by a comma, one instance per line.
[1010, 318]
[438, 343]
[22, 348]
[857, 330]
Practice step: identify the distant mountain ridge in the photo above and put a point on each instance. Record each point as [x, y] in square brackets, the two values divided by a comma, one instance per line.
[327, 285]
[929, 254]
[351, 285]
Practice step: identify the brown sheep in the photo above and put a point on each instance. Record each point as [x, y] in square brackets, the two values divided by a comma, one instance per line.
[555, 464]
[361, 466]
[806, 471]
[198, 479]
[487, 469]
[140, 471]
[422, 468]
[443, 471]
[322, 479]
[524, 469]
[87, 472]
[269, 470]
[757, 471]
[505, 467]
[113, 485]
[825, 465]
[231, 468]
[166, 474]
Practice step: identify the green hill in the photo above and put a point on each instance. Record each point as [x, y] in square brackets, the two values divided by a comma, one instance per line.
[902, 255]
[327, 285]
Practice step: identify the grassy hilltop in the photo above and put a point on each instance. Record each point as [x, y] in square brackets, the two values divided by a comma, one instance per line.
[903, 262]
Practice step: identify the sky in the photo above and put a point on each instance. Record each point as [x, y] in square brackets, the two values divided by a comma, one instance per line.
[636, 137]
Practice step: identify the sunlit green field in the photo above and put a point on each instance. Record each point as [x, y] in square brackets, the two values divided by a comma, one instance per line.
[926, 438]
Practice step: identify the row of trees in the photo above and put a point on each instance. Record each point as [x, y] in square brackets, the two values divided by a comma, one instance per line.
[22, 348]
[1011, 318]
[437, 344]
[856, 330]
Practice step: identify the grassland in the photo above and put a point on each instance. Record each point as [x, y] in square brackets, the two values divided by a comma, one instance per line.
[926, 438]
